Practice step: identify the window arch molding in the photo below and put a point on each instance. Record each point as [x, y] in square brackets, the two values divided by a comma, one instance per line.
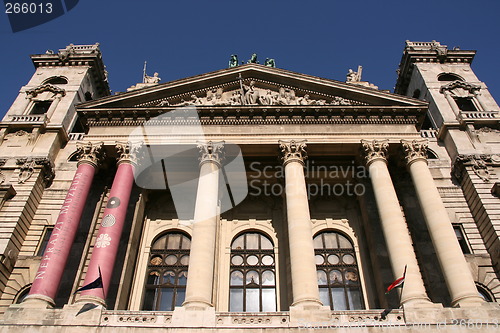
[342, 227]
[21, 294]
[153, 230]
[253, 274]
[233, 229]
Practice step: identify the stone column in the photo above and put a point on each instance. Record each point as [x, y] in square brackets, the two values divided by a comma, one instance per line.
[54, 105]
[303, 265]
[108, 239]
[49, 274]
[199, 288]
[396, 234]
[455, 269]
[451, 101]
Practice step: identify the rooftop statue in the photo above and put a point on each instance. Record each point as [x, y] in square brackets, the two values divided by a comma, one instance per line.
[253, 59]
[353, 76]
[152, 79]
[233, 61]
[270, 63]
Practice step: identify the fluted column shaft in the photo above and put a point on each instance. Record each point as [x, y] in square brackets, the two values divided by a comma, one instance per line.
[50, 271]
[455, 269]
[108, 238]
[397, 237]
[199, 288]
[303, 266]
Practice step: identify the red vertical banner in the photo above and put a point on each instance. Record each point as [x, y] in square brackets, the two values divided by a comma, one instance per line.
[49, 274]
[108, 238]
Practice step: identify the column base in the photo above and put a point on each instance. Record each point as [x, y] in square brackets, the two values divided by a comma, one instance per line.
[196, 304]
[38, 301]
[468, 301]
[193, 317]
[91, 299]
[419, 302]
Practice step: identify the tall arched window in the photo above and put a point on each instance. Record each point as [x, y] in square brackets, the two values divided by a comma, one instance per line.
[253, 274]
[337, 271]
[166, 276]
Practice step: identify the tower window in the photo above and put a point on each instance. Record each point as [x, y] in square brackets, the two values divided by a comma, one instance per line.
[461, 239]
[45, 240]
[253, 276]
[465, 104]
[166, 276]
[484, 293]
[449, 77]
[41, 107]
[337, 272]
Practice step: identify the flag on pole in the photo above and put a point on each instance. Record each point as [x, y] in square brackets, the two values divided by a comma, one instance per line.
[97, 283]
[398, 283]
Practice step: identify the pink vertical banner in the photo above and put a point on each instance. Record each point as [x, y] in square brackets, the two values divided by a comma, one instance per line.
[108, 239]
[49, 274]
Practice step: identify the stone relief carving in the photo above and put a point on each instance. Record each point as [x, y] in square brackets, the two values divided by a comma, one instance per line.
[45, 87]
[478, 164]
[487, 130]
[293, 151]
[250, 94]
[376, 149]
[211, 152]
[91, 153]
[414, 150]
[27, 168]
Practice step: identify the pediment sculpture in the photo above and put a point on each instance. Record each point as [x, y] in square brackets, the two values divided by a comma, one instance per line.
[250, 94]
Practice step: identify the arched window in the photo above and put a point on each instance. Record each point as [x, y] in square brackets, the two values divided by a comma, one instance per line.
[337, 272]
[484, 293]
[56, 80]
[253, 275]
[21, 295]
[449, 77]
[166, 276]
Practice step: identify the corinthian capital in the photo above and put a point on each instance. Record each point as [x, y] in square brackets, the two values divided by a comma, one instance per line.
[293, 151]
[128, 152]
[90, 152]
[211, 152]
[415, 150]
[375, 149]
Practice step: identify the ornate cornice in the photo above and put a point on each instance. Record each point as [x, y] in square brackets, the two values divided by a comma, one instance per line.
[375, 150]
[211, 152]
[90, 152]
[460, 84]
[478, 163]
[45, 87]
[293, 151]
[415, 150]
[128, 152]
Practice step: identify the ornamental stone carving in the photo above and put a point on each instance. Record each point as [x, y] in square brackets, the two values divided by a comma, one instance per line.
[45, 87]
[375, 149]
[90, 152]
[28, 165]
[477, 163]
[459, 87]
[211, 152]
[293, 151]
[415, 150]
[128, 152]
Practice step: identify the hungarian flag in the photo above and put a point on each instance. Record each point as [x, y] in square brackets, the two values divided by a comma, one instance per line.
[398, 283]
[97, 283]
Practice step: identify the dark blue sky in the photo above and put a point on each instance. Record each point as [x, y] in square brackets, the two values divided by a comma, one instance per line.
[324, 38]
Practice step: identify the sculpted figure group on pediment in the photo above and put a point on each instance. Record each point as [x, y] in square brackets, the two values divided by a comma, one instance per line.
[252, 95]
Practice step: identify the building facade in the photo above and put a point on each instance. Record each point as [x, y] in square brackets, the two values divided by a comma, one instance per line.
[251, 198]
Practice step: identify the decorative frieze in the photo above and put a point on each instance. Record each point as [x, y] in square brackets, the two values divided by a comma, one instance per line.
[90, 153]
[375, 149]
[45, 87]
[293, 151]
[211, 152]
[415, 150]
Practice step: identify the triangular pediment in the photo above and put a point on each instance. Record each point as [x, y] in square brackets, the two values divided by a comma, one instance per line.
[252, 84]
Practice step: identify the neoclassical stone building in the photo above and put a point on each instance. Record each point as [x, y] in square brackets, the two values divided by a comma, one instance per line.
[250, 198]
